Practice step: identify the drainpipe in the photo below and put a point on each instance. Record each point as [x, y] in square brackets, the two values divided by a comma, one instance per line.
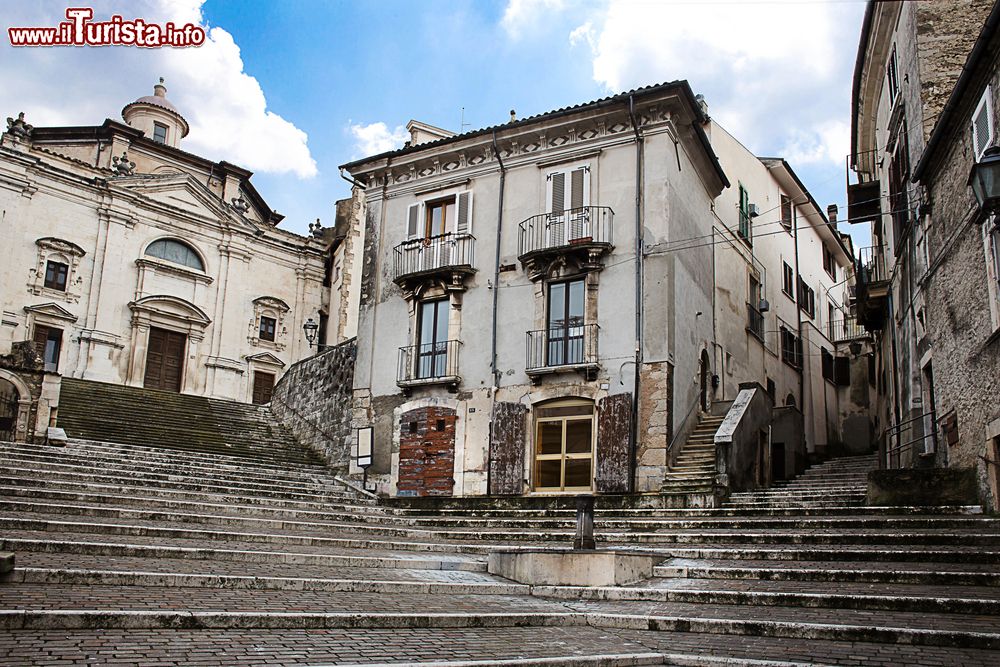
[634, 435]
[350, 179]
[802, 345]
[496, 297]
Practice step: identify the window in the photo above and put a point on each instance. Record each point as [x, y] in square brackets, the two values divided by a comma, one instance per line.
[176, 252]
[899, 177]
[432, 337]
[745, 230]
[564, 446]
[772, 391]
[787, 281]
[787, 221]
[982, 124]
[831, 321]
[892, 77]
[267, 328]
[436, 217]
[48, 342]
[565, 343]
[159, 133]
[827, 363]
[807, 298]
[755, 318]
[829, 263]
[55, 275]
[791, 349]
[578, 181]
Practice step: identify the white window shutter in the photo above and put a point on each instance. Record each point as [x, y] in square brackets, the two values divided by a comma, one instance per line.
[463, 218]
[982, 124]
[413, 221]
[557, 192]
[579, 188]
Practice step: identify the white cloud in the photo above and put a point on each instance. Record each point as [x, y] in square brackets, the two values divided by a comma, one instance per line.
[522, 16]
[777, 75]
[225, 106]
[376, 138]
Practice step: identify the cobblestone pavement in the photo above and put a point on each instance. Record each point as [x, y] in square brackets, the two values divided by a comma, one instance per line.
[273, 648]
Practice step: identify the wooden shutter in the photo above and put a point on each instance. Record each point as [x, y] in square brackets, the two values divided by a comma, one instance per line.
[463, 217]
[557, 192]
[413, 221]
[614, 425]
[507, 444]
[982, 124]
[579, 187]
[842, 371]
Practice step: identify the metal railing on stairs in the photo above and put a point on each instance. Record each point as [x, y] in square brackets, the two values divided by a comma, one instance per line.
[925, 423]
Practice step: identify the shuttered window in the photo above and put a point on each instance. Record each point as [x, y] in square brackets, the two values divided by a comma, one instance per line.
[892, 77]
[982, 124]
[569, 189]
[445, 215]
[786, 213]
[744, 230]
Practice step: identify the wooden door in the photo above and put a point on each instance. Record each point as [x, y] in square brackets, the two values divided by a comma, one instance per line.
[165, 359]
[263, 387]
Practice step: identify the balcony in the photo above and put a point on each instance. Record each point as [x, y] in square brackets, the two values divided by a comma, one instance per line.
[563, 349]
[846, 330]
[755, 321]
[872, 288]
[586, 233]
[429, 364]
[864, 193]
[449, 255]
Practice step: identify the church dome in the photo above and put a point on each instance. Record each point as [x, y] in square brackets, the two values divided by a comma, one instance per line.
[157, 117]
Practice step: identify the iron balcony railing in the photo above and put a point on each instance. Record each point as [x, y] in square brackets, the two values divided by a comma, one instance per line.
[755, 321]
[862, 168]
[846, 329]
[562, 346]
[428, 362]
[584, 225]
[436, 253]
[871, 265]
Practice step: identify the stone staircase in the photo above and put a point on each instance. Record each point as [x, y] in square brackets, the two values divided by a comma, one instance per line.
[694, 470]
[154, 556]
[839, 482]
[151, 417]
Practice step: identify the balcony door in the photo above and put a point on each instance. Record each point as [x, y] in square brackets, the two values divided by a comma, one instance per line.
[564, 446]
[565, 323]
[432, 339]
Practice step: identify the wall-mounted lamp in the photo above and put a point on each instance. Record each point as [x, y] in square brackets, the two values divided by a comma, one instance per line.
[985, 180]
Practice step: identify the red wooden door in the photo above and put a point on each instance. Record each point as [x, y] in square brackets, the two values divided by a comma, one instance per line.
[165, 359]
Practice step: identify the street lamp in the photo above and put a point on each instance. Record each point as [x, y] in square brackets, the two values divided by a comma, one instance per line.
[310, 327]
[985, 180]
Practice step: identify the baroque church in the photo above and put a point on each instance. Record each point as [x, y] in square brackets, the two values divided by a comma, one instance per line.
[131, 261]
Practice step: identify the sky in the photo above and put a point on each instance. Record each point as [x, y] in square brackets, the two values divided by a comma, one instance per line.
[292, 90]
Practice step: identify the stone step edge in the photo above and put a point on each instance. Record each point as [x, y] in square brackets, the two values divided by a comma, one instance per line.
[235, 555]
[94, 619]
[78, 577]
[858, 575]
[602, 660]
[882, 602]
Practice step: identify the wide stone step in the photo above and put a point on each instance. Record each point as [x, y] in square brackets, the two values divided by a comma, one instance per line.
[810, 554]
[856, 573]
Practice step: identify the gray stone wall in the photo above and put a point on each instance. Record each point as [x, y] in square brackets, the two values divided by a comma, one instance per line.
[966, 344]
[313, 399]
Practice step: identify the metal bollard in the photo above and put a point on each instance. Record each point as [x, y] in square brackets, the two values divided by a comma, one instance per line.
[584, 523]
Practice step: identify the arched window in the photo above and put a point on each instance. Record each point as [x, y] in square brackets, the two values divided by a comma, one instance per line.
[175, 251]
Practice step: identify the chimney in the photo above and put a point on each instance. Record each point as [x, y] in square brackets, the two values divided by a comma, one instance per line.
[702, 104]
[831, 213]
[513, 115]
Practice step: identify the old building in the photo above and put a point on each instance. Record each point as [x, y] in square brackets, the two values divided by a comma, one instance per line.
[131, 261]
[962, 280]
[549, 290]
[909, 58]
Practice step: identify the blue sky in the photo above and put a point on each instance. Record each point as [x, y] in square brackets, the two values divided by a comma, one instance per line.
[293, 89]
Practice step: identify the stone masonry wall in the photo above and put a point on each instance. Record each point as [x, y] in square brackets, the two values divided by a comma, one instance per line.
[313, 399]
[966, 344]
[655, 424]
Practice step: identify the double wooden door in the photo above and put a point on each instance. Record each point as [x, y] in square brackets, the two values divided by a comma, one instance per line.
[165, 359]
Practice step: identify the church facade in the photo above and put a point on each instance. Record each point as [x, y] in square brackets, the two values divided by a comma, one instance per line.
[131, 261]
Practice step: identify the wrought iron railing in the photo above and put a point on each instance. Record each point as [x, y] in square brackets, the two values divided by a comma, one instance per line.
[863, 166]
[562, 346]
[907, 434]
[846, 329]
[755, 321]
[871, 265]
[588, 224]
[431, 254]
[429, 361]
